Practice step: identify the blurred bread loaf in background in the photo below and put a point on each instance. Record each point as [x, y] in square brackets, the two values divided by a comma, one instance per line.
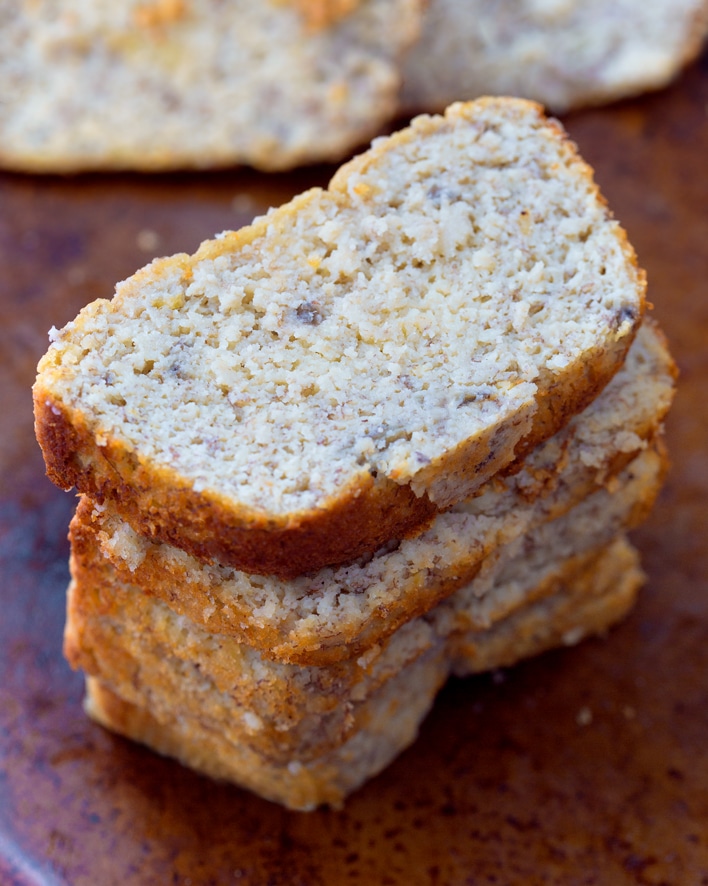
[170, 84]
[564, 54]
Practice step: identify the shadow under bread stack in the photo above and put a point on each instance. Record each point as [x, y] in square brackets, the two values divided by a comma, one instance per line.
[393, 430]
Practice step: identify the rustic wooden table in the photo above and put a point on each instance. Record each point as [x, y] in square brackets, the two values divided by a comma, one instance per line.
[509, 783]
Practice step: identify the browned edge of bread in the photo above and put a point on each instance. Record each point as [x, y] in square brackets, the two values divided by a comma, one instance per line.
[300, 719]
[371, 512]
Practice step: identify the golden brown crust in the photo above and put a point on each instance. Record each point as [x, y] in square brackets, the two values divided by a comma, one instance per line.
[298, 714]
[598, 595]
[391, 724]
[160, 507]
[320, 14]
[158, 13]
[194, 598]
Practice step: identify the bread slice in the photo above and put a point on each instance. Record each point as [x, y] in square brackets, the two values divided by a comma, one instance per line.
[165, 84]
[117, 632]
[298, 393]
[563, 53]
[587, 604]
[339, 613]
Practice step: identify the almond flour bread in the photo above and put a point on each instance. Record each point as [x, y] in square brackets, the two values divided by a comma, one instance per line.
[118, 633]
[163, 84]
[595, 598]
[300, 392]
[588, 603]
[340, 612]
[562, 53]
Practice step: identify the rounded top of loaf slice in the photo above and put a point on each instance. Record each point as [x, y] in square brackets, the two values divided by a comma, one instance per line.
[357, 358]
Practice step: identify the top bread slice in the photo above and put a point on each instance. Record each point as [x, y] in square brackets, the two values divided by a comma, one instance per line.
[304, 390]
[164, 84]
[562, 53]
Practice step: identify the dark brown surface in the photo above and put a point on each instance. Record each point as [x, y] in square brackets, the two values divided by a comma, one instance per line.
[586, 766]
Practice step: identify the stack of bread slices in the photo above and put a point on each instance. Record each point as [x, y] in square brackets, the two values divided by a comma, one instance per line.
[393, 430]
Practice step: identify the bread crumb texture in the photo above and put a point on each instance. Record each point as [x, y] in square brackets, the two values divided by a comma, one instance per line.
[444, 283]
[304, 710]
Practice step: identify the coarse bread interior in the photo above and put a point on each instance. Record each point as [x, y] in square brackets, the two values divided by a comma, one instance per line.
[346, 619]
[117, 632]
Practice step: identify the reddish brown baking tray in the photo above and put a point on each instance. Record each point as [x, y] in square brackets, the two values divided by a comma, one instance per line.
[585, 766]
